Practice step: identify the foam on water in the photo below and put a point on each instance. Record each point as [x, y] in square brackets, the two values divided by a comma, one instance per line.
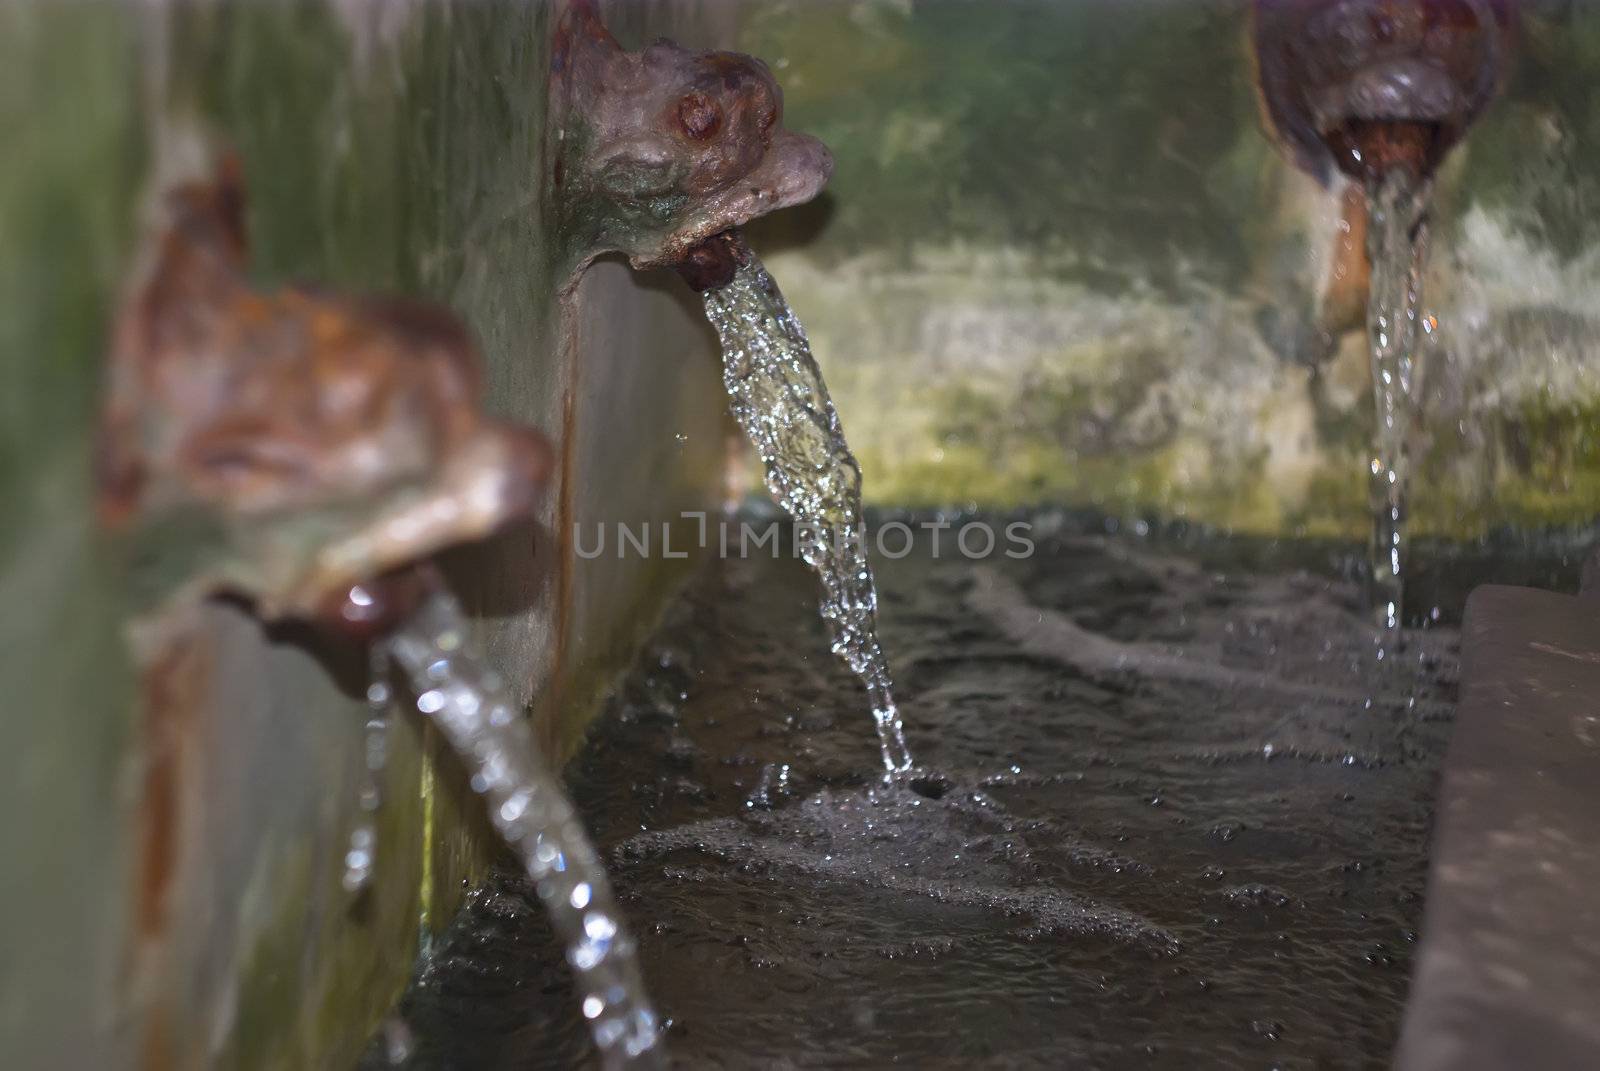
[780, 401]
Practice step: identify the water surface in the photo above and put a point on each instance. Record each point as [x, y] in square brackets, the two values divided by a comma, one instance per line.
[1173, 816]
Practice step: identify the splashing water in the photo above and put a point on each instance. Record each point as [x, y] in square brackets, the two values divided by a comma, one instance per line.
[529, 808]
[1396, 246]
[782, 404]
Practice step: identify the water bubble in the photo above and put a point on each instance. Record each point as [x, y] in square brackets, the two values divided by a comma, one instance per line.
[513, 808]
[398, 1044]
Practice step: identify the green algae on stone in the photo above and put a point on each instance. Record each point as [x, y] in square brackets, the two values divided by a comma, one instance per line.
[1061, 262]
[70, 121]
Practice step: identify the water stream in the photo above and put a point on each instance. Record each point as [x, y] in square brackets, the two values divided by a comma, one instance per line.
[362, 855]
[782, 404]
[528, 806]
[1396, 246]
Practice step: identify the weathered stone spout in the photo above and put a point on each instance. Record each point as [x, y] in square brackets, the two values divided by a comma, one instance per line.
[309, 441]
[1383, 88]
[662, 149]
[1378, 84]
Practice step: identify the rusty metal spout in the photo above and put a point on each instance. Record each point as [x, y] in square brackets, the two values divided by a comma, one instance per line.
[662, 149]
[1374, 85]
[319, 441]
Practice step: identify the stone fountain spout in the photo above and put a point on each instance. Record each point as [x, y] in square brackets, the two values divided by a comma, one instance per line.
[315, 451]
[1382, 90]
[1371, 85]
[663, 148]
[664, 155]
[314, 441]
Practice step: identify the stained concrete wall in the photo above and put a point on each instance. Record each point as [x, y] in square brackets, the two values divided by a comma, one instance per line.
[173, 844]
[1060, 261]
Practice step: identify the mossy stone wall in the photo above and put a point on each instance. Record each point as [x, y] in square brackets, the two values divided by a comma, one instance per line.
[1060, 262]
[174, 835]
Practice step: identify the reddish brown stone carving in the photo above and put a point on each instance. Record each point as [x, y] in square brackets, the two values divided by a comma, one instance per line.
[329, 439]
[1375, 84]
[663, 148]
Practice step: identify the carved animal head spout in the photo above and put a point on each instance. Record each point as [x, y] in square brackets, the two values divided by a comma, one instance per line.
[1378, 84]
[299, 442]
[661, 149]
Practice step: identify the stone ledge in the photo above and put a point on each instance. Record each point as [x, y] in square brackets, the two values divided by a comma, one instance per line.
[1508, 974]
